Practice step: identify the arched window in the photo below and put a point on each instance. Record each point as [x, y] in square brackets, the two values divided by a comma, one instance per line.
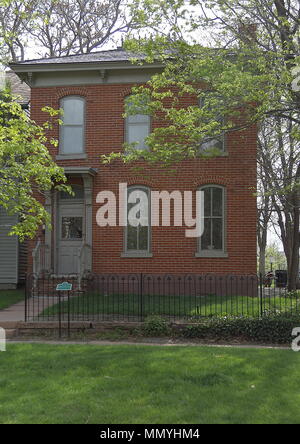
[212, 242]
[72, 130]
[137, 125]
[137, 240]
[212, 143]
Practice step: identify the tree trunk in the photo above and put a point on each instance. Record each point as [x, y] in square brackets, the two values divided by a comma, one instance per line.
[262, 260]
[293, 270]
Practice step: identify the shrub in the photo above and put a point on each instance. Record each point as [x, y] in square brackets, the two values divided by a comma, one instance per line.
[155, 326]
[274, 329]
[293, 294]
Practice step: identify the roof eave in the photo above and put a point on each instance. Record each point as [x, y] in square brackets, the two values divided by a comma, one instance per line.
[79, 66]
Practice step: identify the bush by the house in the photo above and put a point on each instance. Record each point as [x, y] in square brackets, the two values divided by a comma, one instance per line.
[155, 326]
[276, 328]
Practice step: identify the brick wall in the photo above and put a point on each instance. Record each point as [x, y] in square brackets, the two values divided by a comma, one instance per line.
[172, 251]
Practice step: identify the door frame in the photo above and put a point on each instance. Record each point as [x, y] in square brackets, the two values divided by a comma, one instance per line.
[51, 205]
[63, 205]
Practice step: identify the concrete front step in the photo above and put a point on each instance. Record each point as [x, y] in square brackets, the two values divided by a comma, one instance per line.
[9, 325]
[11, 333]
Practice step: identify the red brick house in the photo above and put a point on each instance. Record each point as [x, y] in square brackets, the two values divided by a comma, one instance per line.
[92, 89]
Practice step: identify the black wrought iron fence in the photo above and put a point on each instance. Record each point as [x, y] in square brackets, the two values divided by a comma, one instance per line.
[132, 297]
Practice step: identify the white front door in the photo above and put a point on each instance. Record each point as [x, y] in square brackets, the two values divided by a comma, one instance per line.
[70, 236]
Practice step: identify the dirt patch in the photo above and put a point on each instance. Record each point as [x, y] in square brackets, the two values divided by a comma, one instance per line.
[132, 340]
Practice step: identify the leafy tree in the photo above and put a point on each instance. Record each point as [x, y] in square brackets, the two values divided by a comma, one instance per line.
[27, 170]
[279, 158]
[60, 27]
[277, 257]
[244, 52]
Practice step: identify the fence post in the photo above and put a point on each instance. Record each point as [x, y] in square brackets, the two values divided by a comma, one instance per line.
[68, 292]
[26, 286]
[59, 314]
[261, 294]
[141, 297]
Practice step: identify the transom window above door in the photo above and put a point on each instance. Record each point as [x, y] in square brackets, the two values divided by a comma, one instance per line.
[78, 193]
[71, 141]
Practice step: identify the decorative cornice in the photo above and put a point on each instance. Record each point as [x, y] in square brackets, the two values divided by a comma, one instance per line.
[80, 170]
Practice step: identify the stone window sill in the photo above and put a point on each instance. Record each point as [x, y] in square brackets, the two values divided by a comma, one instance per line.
[71, 156]
[137, 255]
[212, 254]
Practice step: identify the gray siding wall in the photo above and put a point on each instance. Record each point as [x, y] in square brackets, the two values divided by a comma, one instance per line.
[9, 250]
[23, 254]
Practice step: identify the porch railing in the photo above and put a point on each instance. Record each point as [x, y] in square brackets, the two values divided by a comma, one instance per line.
[40, 258]
[84, 254]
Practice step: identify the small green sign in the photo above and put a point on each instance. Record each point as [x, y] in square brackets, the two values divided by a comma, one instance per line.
[64, 286]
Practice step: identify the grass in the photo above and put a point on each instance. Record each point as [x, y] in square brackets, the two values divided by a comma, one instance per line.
[183, 306]
[10, 297]
[143, 385]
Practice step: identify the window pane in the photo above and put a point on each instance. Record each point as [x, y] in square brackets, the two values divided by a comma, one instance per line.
[217, 234]
[143, 238]
[207, 201]
[138, 118]
[72, 139]
[137, 237]
[217, 202]
[77, 189]
[138, 133]
[71, 228]
[206, 236]
[132, 238]
[213, 236]
[212, 144]
[73, 111]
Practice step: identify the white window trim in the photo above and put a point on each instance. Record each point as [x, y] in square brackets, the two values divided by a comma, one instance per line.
[127, 124]
[222, 136]
[138, 253]
[216, 253]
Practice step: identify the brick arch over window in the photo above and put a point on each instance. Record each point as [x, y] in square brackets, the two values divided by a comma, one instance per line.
[212, 243]
[127, 91]
[138, 180]
[211, 180]
[71, 91]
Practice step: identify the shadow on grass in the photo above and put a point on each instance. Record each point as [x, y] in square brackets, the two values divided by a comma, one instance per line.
[98, 305]
[148, 385]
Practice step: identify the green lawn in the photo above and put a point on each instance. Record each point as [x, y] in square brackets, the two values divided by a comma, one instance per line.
[143, 384]
[10, 297]
[183, 306]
